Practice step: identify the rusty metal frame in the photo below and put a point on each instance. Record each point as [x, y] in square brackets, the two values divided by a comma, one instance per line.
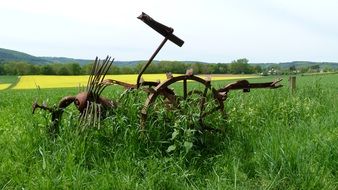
[91, 104]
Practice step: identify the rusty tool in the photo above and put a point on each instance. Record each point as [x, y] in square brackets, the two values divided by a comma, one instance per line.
[92, 105]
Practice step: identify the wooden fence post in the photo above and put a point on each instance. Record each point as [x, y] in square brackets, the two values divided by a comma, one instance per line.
[292, 84]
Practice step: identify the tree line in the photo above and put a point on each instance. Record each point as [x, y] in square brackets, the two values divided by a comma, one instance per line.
[240, 66]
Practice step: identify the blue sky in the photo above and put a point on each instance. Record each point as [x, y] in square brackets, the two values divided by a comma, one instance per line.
[213, 31]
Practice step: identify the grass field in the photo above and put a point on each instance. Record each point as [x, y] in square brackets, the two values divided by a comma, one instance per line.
[271, 140]
[7, 81]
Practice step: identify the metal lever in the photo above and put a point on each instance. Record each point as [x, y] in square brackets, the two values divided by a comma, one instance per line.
[161, 28]
[166, 31]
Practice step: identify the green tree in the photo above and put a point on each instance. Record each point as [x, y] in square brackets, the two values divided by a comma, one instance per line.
[33, 69]
[63, 71]
[257, 69]
[221, 68]
[114, 70]
[2, 70]
[240, 66]
[314, 68]
[74, 69]
[292, 68]
[127, 70]
[47, 70]
[9, 69]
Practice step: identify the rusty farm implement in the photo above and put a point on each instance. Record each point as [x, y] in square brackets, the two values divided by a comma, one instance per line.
[92, 106]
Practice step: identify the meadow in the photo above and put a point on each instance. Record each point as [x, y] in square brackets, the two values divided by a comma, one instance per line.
[7, 82]
[271, 139]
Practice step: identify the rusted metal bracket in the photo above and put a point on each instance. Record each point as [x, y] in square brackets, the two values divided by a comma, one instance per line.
[165, 31]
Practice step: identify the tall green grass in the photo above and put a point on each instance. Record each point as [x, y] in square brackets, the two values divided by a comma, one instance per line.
[270, 140]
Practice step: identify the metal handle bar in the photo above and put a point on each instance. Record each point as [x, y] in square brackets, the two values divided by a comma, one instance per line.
[161, 28]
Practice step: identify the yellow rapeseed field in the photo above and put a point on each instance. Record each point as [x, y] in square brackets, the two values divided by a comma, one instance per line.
[50, 81]
[4, 86]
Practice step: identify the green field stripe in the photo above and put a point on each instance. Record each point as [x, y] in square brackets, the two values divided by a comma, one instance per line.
[14, 83]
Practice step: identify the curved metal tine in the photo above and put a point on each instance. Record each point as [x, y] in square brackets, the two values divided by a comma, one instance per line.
[106, 69]
[92, 75]
[99, 116]
[94, 114]
[89, 83]
[93, 82]
[103, 86]
[96, 76]
[101, 69]
[91, 116]
[83, 115]
[102, 73]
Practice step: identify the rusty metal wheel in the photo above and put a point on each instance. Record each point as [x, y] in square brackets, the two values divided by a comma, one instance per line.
[176, 100]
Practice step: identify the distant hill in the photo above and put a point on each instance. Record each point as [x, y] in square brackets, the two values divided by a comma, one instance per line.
[7, 55]
[86, 61]
[299, 64]
[66, 60]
